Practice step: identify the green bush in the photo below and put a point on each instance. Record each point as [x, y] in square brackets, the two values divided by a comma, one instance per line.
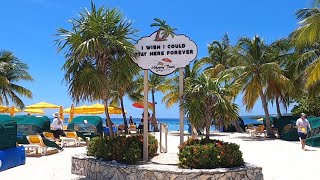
[121, 148]
[200, 154]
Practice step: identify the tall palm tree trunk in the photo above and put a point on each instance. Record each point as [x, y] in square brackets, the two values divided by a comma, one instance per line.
[124, 115]
[154, 121]
[108, 119]
[266, 111]
[208, 124]
[278, 107]
[237, 126]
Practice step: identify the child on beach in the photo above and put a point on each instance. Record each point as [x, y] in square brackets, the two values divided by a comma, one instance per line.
[303, 125]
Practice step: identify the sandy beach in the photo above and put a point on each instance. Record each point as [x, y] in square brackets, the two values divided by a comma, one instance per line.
[280, 160]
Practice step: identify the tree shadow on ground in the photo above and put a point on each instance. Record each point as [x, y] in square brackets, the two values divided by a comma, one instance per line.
[253, 138]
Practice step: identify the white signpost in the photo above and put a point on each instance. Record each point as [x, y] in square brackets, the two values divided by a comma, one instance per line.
[163, 55]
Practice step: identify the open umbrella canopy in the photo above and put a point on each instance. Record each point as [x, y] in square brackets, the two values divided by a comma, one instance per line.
[34, 111]
[141, 105]
[93, 109]
[42, 105]
[11, 110]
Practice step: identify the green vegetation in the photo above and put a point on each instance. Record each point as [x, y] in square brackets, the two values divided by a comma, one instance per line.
[277, 73]
[121, 148]
[97, 40]
[12, 71]
[201, 154]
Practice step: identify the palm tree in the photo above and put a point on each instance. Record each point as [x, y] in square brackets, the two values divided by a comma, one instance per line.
[164, 28]
[208, 98]
[219, 53]
[124, 84]
[284, 55]
[306, 39]
[172, 94]
[12, 70]
[309, 32]
[97, 39]
[257, 66]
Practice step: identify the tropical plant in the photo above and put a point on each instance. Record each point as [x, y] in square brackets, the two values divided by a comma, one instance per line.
[284, 55]
[308, 105]
[309, 32]
[124, 84]
[206, 97]
[12, 71]
[219, 53]
[256, 67]
[306, 39]
[97, 39]
[164, 29]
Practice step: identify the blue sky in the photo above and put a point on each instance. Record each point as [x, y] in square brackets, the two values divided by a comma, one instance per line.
[27, 28]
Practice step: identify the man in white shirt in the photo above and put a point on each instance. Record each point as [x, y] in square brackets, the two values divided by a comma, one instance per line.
[303, 125]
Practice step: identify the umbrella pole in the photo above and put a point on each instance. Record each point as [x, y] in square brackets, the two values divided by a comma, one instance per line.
[145, 117]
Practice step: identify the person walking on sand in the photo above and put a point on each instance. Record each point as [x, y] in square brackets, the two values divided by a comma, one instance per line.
[303, 125]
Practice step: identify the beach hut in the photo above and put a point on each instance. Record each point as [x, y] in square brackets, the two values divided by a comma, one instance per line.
[314, 138]
[89, 126]
[8, 132]
[31, 125]
[286, 126]
[10, 155]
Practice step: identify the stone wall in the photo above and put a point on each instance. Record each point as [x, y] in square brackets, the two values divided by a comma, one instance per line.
[97, 169]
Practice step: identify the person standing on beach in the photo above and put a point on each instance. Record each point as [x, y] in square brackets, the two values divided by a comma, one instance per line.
[57, 126]
[303, 125]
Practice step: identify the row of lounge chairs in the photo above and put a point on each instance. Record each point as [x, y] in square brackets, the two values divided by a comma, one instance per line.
[259, 130]
[36, 141]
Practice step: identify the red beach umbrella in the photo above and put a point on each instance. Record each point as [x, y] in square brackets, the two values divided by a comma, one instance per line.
[140, 105]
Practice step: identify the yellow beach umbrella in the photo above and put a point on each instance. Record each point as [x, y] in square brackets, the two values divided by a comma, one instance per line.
[61, 113]
[34, 111]
[42, 105]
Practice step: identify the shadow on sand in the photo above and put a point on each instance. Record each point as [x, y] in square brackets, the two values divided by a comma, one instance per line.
[246, 138]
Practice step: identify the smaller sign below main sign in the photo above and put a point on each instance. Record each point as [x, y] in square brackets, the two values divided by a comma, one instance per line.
[163, 55]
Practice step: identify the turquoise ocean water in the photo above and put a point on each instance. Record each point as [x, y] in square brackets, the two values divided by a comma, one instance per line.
[174, 123]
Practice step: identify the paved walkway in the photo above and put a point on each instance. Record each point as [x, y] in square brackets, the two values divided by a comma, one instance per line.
[280, 160]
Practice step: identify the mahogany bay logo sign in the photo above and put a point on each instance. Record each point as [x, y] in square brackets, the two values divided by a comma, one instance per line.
[164, 55]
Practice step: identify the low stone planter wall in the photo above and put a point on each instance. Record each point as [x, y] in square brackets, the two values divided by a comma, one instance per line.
[97, 169]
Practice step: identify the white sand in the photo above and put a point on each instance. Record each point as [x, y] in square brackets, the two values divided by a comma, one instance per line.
[280, 160]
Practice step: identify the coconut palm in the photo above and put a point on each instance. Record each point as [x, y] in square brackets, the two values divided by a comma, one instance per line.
[257, 66]
[219, 53]
[306, 39]
[12, 71]
[284, 55]
[208, 98]
[309, 32]
[164, 29]
[172, 94]
[97, 39]
[124, 84]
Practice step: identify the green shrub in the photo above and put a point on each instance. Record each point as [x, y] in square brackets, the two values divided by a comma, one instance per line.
[96, 147]
[122, 149]
[200, 154]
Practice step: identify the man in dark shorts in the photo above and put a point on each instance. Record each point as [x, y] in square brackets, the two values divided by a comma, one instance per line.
[302, 126]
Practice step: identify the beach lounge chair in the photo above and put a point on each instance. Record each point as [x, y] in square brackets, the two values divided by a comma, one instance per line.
[36, 142]
[70, 137]
[49, 136]
[132, 129]
[258, 131]
[249, 128]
